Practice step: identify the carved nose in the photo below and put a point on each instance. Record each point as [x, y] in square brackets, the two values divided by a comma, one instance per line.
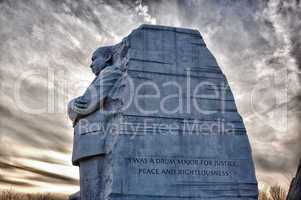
[91, 66]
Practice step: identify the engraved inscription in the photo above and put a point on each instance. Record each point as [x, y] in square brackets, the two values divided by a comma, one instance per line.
[182, 167]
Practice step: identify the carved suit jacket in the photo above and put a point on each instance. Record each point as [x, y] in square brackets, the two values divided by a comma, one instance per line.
[92, 132]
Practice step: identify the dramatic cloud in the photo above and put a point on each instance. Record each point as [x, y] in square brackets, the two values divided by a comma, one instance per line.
[45, 50]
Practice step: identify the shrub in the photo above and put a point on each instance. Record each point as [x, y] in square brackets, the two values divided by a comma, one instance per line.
[274, 193]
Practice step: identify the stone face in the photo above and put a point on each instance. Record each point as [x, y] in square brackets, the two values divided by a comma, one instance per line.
[178, 134]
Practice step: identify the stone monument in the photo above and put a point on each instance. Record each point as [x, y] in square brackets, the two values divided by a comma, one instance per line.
[159, 122]
[294, 192]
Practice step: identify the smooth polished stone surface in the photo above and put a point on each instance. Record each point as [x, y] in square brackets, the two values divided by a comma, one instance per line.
[173, 131]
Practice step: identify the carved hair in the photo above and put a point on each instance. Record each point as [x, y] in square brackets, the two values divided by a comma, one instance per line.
[107, 52]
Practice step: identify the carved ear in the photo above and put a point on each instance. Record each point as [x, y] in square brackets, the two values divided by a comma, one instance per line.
[109, 60]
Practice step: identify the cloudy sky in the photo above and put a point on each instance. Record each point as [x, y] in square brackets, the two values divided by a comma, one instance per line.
[45, 50]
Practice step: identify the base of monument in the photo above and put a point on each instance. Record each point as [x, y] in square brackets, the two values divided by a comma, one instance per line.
[139, 197]
[143, 197]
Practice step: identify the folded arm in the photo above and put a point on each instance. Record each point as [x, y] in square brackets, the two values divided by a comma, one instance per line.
[94, 96]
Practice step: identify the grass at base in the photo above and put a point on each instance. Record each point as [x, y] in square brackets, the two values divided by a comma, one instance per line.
[13, 195]
[274, 193]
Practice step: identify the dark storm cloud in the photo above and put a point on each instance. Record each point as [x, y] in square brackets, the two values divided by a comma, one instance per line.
[252, 41]
[15, 183]
[39, 175]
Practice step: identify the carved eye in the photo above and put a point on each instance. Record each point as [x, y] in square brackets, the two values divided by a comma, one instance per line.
[93, 58]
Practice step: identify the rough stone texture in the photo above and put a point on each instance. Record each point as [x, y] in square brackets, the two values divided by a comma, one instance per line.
[176, 133]
[295, 187]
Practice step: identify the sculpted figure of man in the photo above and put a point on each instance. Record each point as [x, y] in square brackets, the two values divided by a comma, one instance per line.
[91, 150]
[94, 97]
